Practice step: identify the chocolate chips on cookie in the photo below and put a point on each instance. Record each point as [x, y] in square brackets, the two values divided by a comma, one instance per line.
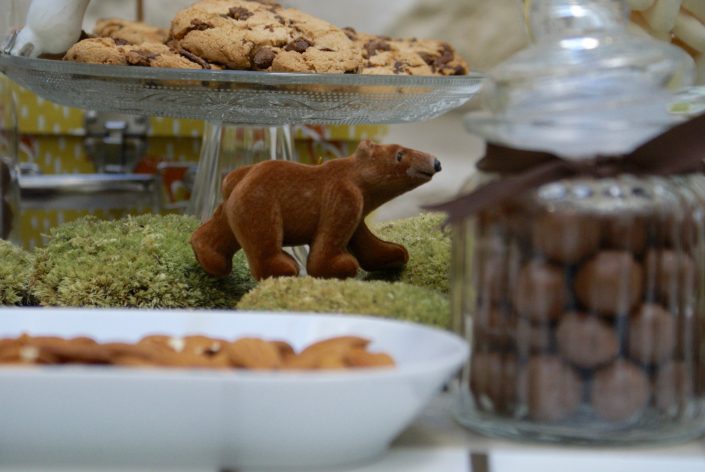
[261, 35]
[250, 35]
[130, 32]
[110, 51]
[385, 55]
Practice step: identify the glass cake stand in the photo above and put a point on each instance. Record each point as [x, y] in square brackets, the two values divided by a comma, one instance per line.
[247, 114]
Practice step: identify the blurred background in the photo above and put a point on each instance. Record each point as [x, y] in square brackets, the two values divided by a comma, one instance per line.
[58, 141]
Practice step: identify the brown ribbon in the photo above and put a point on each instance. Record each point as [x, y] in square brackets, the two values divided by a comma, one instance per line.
[679, 150]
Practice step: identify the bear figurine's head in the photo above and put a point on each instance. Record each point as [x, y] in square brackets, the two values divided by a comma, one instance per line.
[392, 170]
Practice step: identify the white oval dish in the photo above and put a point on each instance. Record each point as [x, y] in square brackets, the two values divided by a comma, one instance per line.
[114, 417]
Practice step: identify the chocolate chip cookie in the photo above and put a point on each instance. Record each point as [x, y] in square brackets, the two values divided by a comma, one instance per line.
[388, 56]
[130, 32]
[111, 51]
[253, 35]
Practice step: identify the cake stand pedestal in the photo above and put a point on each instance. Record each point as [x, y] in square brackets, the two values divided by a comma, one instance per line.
[248, 114]
[227, 147]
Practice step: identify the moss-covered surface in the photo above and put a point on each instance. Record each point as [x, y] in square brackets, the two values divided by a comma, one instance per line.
[137, 262]
[429, 249]
[376, 298]
[15, 270]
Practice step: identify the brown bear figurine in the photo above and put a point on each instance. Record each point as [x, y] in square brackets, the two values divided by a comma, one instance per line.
[277, 203]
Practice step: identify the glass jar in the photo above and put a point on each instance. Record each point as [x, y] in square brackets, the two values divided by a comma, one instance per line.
[584, 308]
[583, 299]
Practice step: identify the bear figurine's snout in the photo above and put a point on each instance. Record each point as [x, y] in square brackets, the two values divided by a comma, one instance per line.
[423, 166]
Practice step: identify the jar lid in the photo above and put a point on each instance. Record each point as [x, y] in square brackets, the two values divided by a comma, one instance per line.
[587, 86]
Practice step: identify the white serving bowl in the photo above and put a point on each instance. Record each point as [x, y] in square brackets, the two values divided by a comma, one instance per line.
[112, 417]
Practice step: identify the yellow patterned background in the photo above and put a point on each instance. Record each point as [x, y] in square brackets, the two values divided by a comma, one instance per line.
[52, 139]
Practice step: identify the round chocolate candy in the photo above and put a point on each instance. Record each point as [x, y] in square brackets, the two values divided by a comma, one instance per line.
[492, 271]
[652, 335]
[532, 338]
[541, 291]
[550, 388]
[564, 236]
[610, 283]
[620, 391]
[673, 387]
[493, 378]
[492, 327]
[628, 233]
[680, 230]
[670, 275]
[586, 341]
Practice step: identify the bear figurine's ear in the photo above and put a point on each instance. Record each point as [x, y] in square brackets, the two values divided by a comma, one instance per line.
[365, 149]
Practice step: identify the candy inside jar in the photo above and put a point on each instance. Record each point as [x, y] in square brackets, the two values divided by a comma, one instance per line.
[579, 246]
[582, 309]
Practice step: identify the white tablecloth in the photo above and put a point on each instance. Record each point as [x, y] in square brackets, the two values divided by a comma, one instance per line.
[436, 443]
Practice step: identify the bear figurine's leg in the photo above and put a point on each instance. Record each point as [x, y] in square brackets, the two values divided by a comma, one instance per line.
[375, 254]
[329, 256]
[275, 264]
[261, 235]
[215, 245]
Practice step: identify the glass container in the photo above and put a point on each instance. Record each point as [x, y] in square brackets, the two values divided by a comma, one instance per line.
[583, 299]
[583, 305]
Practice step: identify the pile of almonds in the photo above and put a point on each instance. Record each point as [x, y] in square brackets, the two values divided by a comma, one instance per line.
[345, 352]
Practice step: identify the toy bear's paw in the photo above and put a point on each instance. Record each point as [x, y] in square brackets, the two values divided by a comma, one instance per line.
[214, 246]
[385, 256]
[281, 265]
[342, 266]
[213, 262]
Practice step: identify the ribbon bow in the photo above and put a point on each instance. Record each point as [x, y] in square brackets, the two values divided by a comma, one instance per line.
[679, 150]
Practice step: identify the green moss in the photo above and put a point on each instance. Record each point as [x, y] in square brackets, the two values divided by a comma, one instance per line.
[15, 270]
[429, 251]
[385, 299]
[138, 262]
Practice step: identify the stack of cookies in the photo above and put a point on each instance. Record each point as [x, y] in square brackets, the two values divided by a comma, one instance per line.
[261, 36]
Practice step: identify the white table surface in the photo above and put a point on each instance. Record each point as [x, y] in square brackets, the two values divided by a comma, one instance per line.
[436, 443]
[439, 438]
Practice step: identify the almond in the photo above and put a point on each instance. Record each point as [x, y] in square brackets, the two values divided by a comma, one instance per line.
[339, 344]
[256, 354]
[327, 354]
[357, 358]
